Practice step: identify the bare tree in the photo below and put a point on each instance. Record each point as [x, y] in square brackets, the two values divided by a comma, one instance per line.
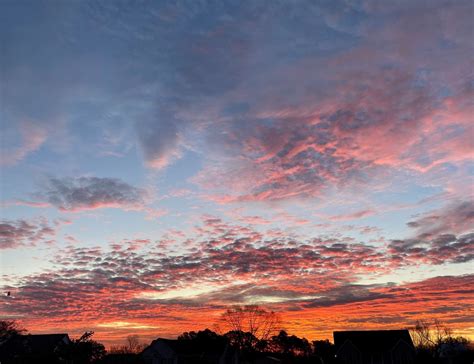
[251, 319]
[434, 340]
[429, 335]
[9, 328]
[132, 346]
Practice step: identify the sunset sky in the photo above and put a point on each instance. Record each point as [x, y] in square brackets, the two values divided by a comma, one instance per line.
[164, 160]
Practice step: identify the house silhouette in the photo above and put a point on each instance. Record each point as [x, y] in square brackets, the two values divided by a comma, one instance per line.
[374, 347]
[33, 348]
[166, 351]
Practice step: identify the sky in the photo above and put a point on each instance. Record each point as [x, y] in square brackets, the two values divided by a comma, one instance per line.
[162, 161]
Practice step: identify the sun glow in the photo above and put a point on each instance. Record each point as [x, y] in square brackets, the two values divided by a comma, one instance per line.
[191, 291]
[125, 324]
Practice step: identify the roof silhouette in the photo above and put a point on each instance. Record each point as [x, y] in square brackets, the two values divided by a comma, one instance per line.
[42, 343]
[190, 349]
[32, 345]
[372, 341]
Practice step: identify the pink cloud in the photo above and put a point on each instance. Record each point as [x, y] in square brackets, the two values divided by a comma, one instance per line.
[27, 233]
[32, 137]
[353, 216]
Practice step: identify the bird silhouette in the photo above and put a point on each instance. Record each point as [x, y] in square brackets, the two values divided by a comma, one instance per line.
[8, 294]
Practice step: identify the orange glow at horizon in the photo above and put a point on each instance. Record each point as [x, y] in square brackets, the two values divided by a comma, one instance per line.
[398, 307]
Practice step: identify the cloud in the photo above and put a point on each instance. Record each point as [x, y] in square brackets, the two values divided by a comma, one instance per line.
[87, 193]
[138, 281]
[287, 154]
[106, 289]
[373, 116]
[455, 218]
[347, 294]
[278, 102]
[353, 216]
[32, 137]
[159, 140]
[20, 233]
[445, 248]
[441, 236]
[392, 306]
[254, 103]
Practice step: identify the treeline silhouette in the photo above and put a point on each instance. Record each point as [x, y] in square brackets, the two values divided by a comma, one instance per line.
[254, 335]
[85, 350]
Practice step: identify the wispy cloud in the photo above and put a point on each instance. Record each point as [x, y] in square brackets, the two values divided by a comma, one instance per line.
[32, 137]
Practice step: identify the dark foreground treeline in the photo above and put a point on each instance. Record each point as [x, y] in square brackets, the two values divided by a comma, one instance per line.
[201, 347]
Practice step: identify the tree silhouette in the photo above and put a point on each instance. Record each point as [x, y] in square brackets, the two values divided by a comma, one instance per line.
[132, 346]
[248, 328]
[253, 319]
[429, 335]
[324, 350]
[205, 340]
[84, 350]
[434, 341]
[243, 341]
[9, 328]
[11, 349]
[290, 344]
